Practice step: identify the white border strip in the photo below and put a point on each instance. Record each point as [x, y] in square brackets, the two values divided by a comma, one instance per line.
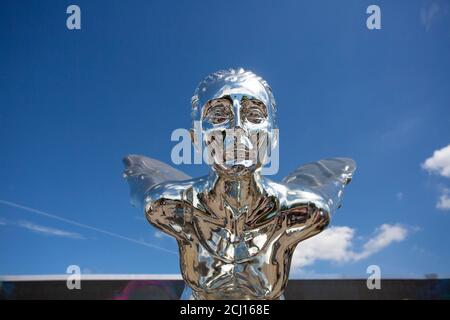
[63, 277]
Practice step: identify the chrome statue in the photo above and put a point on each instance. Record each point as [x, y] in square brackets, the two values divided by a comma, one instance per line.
[236, 229]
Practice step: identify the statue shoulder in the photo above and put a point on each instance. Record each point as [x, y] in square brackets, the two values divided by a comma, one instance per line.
[174, 190]
[291, 197]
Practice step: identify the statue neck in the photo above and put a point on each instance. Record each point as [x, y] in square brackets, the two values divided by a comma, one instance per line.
[238, 191]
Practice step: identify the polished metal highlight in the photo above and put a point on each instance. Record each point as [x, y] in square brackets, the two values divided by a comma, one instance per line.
[236, 229]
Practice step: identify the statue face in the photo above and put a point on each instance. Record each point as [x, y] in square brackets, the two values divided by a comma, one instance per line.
[237, 120]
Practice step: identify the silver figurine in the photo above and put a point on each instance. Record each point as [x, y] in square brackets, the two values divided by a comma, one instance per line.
[236, 229]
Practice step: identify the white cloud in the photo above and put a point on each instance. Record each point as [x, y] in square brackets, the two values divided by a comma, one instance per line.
[384, 236]
[444, 200]
[332, 244]
[439, 163]
[336, 245]
[48, 230]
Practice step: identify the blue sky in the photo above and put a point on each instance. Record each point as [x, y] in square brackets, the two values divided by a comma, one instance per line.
[73, 103]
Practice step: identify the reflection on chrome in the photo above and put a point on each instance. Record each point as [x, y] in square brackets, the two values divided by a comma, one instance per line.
[236, 229]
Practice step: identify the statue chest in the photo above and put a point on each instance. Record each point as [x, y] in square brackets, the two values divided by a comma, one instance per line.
[243, 270]
[234, 231]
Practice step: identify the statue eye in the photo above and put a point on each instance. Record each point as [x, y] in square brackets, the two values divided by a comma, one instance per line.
[255, 116]
[218, 111]
[254, 111]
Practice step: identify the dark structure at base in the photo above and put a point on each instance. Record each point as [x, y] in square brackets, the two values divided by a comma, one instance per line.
[171, 289]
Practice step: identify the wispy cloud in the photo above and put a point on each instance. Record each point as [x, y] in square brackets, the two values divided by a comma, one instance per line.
[159, 235]
[45, 230]
[431, 12]
[439, 163]
[399, 133]
[428, 14]
[85, 226]
[336, 245]
[48, 230]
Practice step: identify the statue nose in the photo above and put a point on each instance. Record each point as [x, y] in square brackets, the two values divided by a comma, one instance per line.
[237, 113]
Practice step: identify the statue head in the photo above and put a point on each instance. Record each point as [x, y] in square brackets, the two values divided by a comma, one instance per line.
[235, 111]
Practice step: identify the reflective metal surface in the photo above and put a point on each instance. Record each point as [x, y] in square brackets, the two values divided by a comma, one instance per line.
[236, 229]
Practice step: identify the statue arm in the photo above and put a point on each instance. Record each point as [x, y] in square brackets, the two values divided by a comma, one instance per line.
[304, 219]
[165, 208]
[311, 194]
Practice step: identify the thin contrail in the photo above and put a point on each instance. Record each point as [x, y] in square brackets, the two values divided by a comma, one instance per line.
[85, 226]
